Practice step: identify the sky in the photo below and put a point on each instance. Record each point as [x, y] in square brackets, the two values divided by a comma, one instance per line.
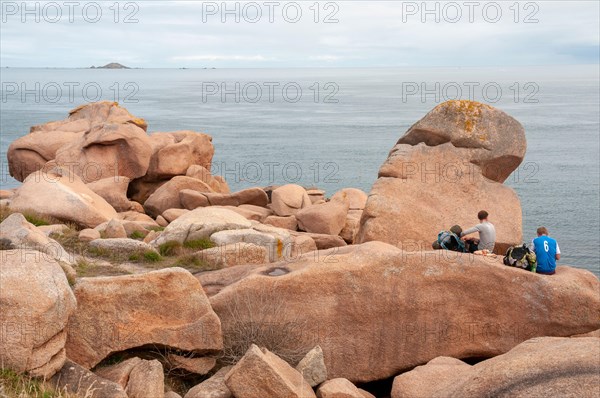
[275, 34]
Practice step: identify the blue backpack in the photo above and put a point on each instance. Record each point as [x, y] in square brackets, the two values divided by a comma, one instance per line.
[448, 240]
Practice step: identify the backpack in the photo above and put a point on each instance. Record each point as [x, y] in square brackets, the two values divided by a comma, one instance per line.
[520, 257]
[444, 235]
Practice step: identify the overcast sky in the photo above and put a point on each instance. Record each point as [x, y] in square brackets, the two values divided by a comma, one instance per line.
[358, 34]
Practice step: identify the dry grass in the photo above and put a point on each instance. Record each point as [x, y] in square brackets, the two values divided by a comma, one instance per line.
[256, 320]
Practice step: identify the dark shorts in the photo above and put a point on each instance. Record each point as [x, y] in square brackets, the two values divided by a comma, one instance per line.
[546, 273]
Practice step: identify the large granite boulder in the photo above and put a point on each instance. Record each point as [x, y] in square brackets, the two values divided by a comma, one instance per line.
[108, 150]
[35, 304]
[326, 218]
[31, 152]
[569, 367]
[417, 383]
[487, 136]
[260, 373]
[165, 308]
[438, 175]
[201, 224]
[376, 310]
[17, 233]
[80, 382]
[114, 191]
[59, 193]
[173, 153]
[288, 199]
[167, 196]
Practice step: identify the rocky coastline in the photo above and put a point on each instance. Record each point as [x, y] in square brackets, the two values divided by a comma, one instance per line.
[129, 270]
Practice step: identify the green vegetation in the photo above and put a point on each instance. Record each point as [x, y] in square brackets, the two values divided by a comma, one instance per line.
[199, 244]
[32, 216]
[137, 235]
[15, 385]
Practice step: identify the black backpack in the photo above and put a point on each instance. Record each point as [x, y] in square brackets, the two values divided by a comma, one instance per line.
[520, 257]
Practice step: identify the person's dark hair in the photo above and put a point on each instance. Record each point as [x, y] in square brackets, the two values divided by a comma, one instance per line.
[456, 229]
[482, 215]
[542, 231]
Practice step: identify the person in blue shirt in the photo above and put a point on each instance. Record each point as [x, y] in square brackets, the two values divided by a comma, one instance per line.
[547, 252]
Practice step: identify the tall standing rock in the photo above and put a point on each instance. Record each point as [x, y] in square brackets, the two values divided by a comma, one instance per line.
[35, 304]
[447, 167]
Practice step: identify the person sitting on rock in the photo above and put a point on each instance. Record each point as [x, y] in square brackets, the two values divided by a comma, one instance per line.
[450, 240]
[487, 235]
[546, 251]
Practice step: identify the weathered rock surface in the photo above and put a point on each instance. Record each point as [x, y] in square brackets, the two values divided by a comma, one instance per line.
[18, 233]
[376, 310]
[350, 230]
[171, 215]
[323, 241]
[197, 365]
[288, 222]
[146, 380]
[139, 378]
[201, 224]
[312, 367]
[486, 136]
[288, 199]
[217, 183]
[167, 195]
[118, 373]
[327, 218]
[339, 388]
[35, 304]
[251, 196]
[88, 235]
[426, 380]
[174, 152]
[114, 191]
[276, 242]
[214, 387]
[122, 245]
[75, 379]
[538, 367]
[31, 152]
[261, 373]
[230, 255]
[108, 150]
[60, 194]
[462, 150]
[114, 229]
[165, 308]
[357, 199]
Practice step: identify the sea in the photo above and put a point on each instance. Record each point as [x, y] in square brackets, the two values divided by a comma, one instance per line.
[332, 128]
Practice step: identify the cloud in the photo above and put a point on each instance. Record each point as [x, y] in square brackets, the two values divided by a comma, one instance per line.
[207, 57]
[336, 33]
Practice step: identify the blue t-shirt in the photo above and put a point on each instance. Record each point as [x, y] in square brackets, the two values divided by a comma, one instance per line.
[545, 251]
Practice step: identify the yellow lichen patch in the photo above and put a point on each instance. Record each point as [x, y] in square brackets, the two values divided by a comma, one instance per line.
[471, 111]
[138, 121]
[279, 248]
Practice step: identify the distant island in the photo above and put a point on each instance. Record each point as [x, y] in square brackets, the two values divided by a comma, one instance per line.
[112, 65]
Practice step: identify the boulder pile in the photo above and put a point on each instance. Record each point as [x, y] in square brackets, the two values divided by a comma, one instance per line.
[292, 294]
